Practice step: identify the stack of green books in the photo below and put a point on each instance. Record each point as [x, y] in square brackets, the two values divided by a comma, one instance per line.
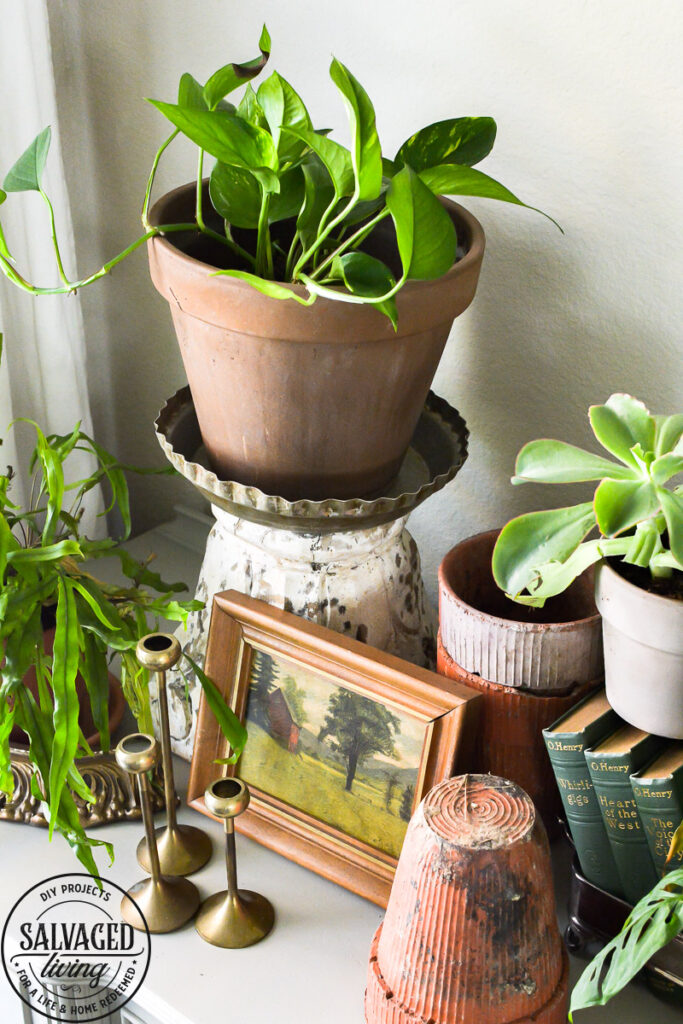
[622, 792]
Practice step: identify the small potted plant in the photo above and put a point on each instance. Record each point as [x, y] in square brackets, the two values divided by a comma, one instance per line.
[60, 626]
[637, 513]
[305, 402]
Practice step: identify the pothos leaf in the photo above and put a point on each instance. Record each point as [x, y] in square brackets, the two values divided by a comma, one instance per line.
[366, 152]
[458, 140]
[231, 76]
[4, 251]
[26, 174]
[270, 288]
[424, 231]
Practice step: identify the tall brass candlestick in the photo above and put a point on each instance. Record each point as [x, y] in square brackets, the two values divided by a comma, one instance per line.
[235, 917]
[166, 903]
[183, 849]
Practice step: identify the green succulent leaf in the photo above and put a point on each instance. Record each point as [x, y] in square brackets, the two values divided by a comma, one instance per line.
[536, 538]
[555, 462]
[621, 504]
[665, 467]
[672, 507]
[225, 135]
[232, 76]
[336, 158]
[424, 231]
[668, 434]
[620, 424]
[366, 153]
[368, 277]
[458, 140]
[27, 173]
[283, 108]
[655, 920]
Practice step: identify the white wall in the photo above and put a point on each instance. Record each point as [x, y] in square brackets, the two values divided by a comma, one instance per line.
[588, 95]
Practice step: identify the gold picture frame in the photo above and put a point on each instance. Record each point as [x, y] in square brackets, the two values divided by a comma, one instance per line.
[338, 685]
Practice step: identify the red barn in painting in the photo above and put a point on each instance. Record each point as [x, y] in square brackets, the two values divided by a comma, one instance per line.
[282, 724]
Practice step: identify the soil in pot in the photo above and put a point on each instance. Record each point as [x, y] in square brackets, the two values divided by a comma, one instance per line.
[664, 586]
[305, 402]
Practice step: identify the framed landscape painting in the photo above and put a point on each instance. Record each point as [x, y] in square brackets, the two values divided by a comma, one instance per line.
[344, 740]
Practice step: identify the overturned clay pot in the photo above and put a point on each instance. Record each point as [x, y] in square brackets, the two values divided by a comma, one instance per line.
[470, 935]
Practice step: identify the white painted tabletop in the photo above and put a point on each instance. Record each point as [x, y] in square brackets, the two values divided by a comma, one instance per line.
[312, 967]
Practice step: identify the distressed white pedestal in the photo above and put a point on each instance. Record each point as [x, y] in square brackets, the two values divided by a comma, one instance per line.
[364, 583]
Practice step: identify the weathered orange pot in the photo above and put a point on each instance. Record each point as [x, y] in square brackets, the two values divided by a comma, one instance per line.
[470, 935]
[530, 664]
[509, 738]
[305, 402]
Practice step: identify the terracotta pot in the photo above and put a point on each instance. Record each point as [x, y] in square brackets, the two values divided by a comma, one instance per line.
[470, 935]
[643, 636]
[117, 703]
[509, 739]
[546, 649]
[305, 402]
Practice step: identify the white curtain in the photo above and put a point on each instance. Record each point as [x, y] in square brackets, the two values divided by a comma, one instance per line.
[43, 374]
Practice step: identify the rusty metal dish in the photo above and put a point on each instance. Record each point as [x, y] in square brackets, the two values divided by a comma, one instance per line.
[437, 451]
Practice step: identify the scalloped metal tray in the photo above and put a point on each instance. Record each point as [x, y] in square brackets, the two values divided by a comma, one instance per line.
[437, 451]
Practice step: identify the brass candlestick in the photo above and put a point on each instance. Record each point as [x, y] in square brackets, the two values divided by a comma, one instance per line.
[235, 917]
[166, 903]
[183, 849]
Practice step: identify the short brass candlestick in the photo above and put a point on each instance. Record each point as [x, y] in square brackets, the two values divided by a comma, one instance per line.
[166, 903]
[183, 849]
[235, 917]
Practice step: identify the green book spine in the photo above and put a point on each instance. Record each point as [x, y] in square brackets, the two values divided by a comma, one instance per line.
[611, 779]
[566, 753]
[660, 806]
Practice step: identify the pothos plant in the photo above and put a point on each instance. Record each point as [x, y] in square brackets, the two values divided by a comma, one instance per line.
[47, 563]
[654, 921]
[291, 205]
[636, 509]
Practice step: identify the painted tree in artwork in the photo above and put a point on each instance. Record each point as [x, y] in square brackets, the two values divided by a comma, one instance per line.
[264, 674]
[407, 803]
[359, 728]
[295, 698]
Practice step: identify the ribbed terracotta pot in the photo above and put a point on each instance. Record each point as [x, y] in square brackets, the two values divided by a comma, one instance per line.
[544, 649]
[509, 738]
[306, 402]
[470, 935]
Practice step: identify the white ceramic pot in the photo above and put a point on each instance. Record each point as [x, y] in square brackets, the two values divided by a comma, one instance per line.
[643, 641]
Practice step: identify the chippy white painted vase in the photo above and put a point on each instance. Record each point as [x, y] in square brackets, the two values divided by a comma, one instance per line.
[364, 583]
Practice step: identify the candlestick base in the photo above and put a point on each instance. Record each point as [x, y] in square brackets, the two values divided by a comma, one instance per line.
[183, 849]
[235, 920]
[166, 903]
